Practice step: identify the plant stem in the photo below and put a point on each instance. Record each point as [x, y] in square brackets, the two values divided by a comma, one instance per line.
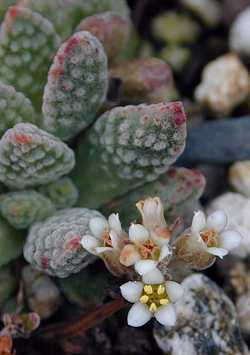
[59, 331]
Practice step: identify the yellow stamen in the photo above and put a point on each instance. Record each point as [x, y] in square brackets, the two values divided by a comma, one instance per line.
[144, 299]
[148, 289]
[154, 296]
[164, 301]
[153, 307]
[161, 290]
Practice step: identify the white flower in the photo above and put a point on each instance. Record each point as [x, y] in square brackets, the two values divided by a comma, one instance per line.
[152, 212]
[152, 299]
[212, 234]
[149, 243]
[105, 235]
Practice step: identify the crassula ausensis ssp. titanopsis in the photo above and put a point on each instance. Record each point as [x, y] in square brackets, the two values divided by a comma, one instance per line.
[59, 246]
[58, 59]
[130, 145]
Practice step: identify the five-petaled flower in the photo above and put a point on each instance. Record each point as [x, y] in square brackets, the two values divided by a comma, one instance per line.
[105, 235]
[146, 247]
[212, 235]
[153, 297]
[148, 242]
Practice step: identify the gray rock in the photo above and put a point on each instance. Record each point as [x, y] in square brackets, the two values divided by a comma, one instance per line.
[217, 142]
[206, 322]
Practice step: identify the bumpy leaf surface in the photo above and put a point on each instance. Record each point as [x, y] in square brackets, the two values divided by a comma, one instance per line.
[76, 87]
[31, 157]
[84, 8]
[54, 246]
[24, 208]
[63, 193]
[111, 30]
[59, 12]
[127, 147]
[14, 108]
[28, 43]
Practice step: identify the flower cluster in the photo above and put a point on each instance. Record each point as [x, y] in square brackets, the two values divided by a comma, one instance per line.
[141, 254]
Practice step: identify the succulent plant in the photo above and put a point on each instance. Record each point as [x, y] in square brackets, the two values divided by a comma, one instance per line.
[91, 7]
[23, 208]
[63, 193]
[53, 246]
[11, 243]
[130, 146]
[28, 43]
[76, 87]
[30, 156]
[58, 12]
[60, 62]
[112, 30]
[177, 188]
[99, 281]
[15, 108]
[20, 325]
[8, 284]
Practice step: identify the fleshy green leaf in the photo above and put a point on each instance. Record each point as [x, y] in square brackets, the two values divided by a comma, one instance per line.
[59, 12]
[31, 157]
[63, 193]
[14, 108]
[11, 243]
[28, 43]
[24, 208]
[76, 87]
[87, 288]
[111, 30]
[54, 246]
[8, 284]
[177, 188]
[84, 8]
[127, 147]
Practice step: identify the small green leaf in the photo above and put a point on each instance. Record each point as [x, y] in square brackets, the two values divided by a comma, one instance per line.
[63, 193]
[89, 287]
[111, 30]
[28, 43]
[14, 108]
[77, 85]
[11, 243]
[21, 209]
[31, 157]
